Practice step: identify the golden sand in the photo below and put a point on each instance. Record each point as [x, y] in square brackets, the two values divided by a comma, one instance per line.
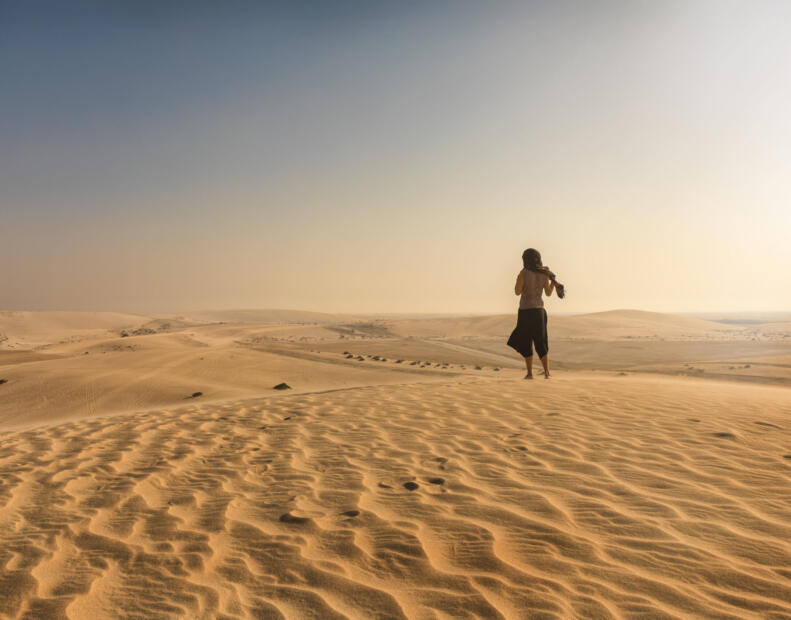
[377, 489]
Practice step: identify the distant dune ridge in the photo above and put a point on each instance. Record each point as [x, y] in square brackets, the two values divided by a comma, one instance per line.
[149, 469]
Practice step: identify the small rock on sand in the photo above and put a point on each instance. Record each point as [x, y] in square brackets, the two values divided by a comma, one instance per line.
[196, 394]
[411, 486]
[282, 386]
[2, 381]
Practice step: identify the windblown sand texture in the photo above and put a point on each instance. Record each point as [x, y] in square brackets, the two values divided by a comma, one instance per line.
[381, 489]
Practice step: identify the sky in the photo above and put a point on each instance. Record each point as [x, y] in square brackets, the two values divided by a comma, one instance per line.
[359, 156]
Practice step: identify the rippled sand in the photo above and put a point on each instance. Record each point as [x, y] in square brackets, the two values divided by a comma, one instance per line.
[582, 496]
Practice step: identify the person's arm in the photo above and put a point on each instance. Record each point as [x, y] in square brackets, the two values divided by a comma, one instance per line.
[549, 286]
[520, 283]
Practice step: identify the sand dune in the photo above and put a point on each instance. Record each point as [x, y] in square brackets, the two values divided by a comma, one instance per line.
[581, 497]
[264, 316]
[409, 473]
[26, 330]
[595, 326]
[638, 324]
[99, 376]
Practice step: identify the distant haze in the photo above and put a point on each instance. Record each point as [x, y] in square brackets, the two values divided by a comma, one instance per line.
[394, 157]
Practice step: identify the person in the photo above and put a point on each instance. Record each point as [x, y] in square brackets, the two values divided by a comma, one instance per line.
[531, 323]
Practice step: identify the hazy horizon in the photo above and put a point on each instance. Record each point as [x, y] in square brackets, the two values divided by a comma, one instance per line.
[380, 158]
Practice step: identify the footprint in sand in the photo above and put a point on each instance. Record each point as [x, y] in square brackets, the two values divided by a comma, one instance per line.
[436, 480]
[725, 435]
[351, 513]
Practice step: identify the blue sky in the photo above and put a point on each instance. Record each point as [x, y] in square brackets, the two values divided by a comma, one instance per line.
[359, 156]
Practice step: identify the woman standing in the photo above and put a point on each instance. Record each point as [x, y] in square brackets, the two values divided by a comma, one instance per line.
[531, 323]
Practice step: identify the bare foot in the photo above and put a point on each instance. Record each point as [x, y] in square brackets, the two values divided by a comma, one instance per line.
[528, 376]
[546, 375]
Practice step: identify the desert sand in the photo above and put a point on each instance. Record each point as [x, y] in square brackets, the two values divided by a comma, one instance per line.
[408, 472]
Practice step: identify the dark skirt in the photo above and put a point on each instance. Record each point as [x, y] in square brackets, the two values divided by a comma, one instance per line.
[530, 331]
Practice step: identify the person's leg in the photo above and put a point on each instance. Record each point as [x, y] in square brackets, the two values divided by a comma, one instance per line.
[529, 365]
[542, 347]
[545, 364]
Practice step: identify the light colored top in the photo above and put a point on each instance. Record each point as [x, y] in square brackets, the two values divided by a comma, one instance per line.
[532, 287]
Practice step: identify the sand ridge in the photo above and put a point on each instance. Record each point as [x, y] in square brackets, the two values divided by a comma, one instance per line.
[577, 497]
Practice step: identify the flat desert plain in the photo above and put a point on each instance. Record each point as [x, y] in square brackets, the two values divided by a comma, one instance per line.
[149, 469]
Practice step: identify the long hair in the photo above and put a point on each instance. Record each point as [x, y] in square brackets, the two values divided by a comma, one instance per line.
[531, 259]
